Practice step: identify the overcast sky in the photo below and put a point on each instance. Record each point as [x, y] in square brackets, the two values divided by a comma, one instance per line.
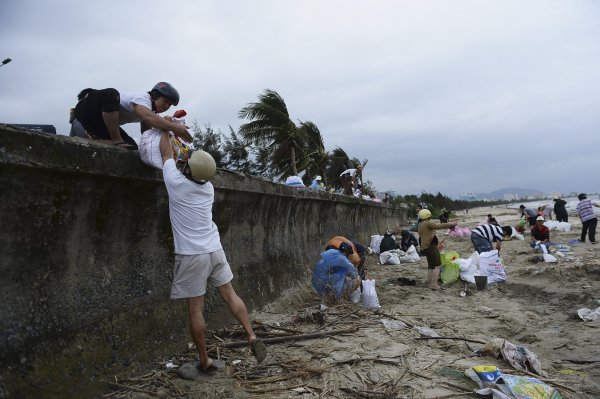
[450, 96]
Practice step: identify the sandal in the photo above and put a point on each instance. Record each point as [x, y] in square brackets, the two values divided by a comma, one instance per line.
[259, 350]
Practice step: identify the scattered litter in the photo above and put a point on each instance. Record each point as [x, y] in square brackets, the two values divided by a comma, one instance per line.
[393, 325]
[484, 309]
[236, 362]
[171, 365]
[503, 386]
[426, 331]
[517, 356]
[589, 314]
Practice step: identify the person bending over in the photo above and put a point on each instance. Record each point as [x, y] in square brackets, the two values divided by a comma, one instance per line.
[483, 236]
[334, 277]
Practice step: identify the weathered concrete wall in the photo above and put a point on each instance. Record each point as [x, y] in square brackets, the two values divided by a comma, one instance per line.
[86, 259]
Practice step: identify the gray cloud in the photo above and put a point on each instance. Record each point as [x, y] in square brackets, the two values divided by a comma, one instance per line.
[443, 96]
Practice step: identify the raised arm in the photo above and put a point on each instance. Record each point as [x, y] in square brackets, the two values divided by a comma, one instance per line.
[150, 119]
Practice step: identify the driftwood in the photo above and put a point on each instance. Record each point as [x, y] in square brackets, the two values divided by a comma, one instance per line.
[278, 340]
[458, 338]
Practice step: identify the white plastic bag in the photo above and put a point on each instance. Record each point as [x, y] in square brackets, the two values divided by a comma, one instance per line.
[491, 266]
[369, 295]
[549, 258]
[389, 257]
[375, 243]
[412, 254]
[467, 268]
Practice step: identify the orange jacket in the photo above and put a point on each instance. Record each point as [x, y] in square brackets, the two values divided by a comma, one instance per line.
[354, 258]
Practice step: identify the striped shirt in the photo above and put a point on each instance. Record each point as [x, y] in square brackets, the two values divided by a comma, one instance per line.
[585, 210]
[491, 232]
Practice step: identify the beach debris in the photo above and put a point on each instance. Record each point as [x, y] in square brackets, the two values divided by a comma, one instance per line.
[393, 325]
[492, 381]
[589, 314]
[517, 356]
[426, 331]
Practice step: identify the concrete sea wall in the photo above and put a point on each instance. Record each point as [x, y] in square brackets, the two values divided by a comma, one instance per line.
[86, 257]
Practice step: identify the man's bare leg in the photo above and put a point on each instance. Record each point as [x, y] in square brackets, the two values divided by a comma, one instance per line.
[237, 307]
[198, 329]
[239, 311]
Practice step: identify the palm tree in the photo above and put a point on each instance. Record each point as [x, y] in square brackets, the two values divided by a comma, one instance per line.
[270, 126]
[314, 152]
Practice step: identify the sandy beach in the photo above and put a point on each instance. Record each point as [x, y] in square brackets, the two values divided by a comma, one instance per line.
[536, 308]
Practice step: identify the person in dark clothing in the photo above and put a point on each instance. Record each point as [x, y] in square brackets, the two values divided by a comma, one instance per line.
[388, 242]
[407, 240]
[560, 211]
[444, 216]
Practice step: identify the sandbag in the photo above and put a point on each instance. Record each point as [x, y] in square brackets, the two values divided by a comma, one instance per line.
[375, 243]
[491, 266]
[392, 257]
[467, 269]
[369, 295]
[412, 254]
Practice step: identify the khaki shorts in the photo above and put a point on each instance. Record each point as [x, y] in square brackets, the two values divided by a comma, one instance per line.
[192, 273]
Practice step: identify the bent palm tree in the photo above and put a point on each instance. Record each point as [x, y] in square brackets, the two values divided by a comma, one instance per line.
[270, 126]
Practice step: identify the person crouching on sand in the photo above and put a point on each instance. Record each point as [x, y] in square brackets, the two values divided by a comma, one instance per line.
[429, 245]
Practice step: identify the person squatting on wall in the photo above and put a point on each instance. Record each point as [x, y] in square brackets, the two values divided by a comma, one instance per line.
[101, 112]
[199, 255]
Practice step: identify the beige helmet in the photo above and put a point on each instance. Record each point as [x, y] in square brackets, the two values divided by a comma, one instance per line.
[424, 214]
[202, 165]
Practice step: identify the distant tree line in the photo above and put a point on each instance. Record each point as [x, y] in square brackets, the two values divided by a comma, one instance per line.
[436, 202]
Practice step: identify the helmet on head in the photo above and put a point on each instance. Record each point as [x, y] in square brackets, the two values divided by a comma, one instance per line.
[164, 89]
[582, 196]
[346, 248]
[424, 214]
[202, 165]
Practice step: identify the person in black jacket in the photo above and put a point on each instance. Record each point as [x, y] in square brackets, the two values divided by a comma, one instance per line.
[407, 240]
[388, 242]
[560, 211]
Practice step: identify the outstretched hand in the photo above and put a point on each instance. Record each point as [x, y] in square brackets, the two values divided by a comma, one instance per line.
[181, 131]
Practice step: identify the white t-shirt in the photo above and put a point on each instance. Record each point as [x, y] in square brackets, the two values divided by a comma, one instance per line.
[126, 112]
[190, 209]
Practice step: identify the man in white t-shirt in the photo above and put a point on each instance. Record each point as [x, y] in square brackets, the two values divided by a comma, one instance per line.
[101, 112]
[199, 256]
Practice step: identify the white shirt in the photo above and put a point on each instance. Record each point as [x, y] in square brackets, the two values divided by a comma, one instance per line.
[190, 209]
[126, 111]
